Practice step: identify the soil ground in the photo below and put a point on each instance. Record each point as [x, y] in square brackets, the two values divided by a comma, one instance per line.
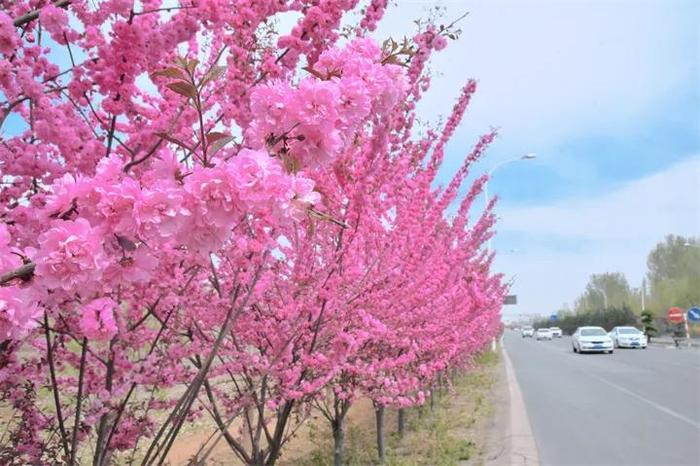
[460, 430]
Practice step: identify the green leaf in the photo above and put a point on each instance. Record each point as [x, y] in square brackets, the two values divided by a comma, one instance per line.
[215, 73]
[191, 65]
[170, 72]
[183, 88]
[218, 144]
[215, 136]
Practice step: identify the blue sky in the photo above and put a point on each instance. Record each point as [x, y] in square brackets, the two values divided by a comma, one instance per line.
[607, 93]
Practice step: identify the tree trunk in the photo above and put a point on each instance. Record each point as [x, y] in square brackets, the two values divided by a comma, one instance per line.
[338, 442]
[379, 411]
[432, 399]
[402, 422]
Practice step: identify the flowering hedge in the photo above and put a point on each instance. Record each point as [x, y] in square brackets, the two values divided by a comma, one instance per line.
[203, 217]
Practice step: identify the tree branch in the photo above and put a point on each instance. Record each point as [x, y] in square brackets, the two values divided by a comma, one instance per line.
[32, 15]
[25, 272]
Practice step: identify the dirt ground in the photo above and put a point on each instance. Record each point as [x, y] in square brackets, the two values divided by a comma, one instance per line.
[460, 431]
[187, 445]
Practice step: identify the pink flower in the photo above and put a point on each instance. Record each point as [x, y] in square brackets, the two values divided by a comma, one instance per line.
[269, 104]
[17, 314]
[9, 39]
[320, 146]
[8, 260]
[55, 20]
[97, 320]
[354, 103]
[165, 170]
[365, 47]
[215, 193]
[136, 266]
[258, 178]
[161, 213]
[439, 42]
[116, 206]
[70, 255]
[304, 197]
[315, 102]
[65, 192]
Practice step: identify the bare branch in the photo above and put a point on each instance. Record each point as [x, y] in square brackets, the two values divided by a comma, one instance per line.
[32, 15]
[25, 272]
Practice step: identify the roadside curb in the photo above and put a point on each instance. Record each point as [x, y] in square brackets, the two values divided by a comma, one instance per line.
[668, 343]
[517, 442]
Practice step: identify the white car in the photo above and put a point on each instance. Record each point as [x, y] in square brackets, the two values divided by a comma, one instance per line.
[556, 332]
[591, 340]
[527, 331]
[628, 337]
[543, 334]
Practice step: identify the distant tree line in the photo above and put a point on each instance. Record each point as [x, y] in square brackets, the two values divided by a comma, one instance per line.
[606, 318]
[672, 279]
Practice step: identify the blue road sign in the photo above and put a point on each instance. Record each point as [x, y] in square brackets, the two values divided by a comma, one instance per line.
[553, 317]
[694, 314]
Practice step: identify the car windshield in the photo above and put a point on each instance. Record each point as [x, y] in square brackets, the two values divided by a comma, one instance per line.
[592, 332]
[628, 331]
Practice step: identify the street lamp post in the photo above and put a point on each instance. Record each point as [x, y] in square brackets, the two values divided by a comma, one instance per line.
[528, 156]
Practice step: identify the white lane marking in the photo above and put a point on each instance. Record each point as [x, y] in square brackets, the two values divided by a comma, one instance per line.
[653, 404]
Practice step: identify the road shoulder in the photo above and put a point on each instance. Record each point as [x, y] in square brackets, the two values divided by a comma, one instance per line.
[511, 441]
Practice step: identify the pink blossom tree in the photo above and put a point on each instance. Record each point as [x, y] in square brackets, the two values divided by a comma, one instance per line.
[193, 222]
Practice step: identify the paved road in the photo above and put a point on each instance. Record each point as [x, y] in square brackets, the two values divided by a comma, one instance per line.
[636, 407]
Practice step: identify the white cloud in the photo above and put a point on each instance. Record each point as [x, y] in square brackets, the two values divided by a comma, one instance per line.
[548, 69]
[564, 243]
[665, 201]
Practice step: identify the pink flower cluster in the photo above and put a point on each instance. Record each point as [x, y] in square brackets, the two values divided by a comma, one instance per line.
[198, 212]
[315, 121]
[70, 256]
[18, 307]
[9, 39]
[55, 20]
[97, 319]
[18, 313]
[260, 212]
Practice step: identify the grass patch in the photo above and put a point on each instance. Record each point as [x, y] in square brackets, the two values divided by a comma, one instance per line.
[443, 437]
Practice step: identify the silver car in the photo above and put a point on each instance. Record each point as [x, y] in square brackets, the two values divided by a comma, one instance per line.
[628, 337]
[591, 340]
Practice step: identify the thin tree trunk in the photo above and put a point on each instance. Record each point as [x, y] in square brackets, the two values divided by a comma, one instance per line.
[432, 399]
[402, 422]
[338, 442]
[76, 424]
[379, 412]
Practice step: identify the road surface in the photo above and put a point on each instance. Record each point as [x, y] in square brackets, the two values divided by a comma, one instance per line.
[634, 407]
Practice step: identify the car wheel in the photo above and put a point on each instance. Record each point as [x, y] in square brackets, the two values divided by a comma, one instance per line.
[610, 352]
[574, 348]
